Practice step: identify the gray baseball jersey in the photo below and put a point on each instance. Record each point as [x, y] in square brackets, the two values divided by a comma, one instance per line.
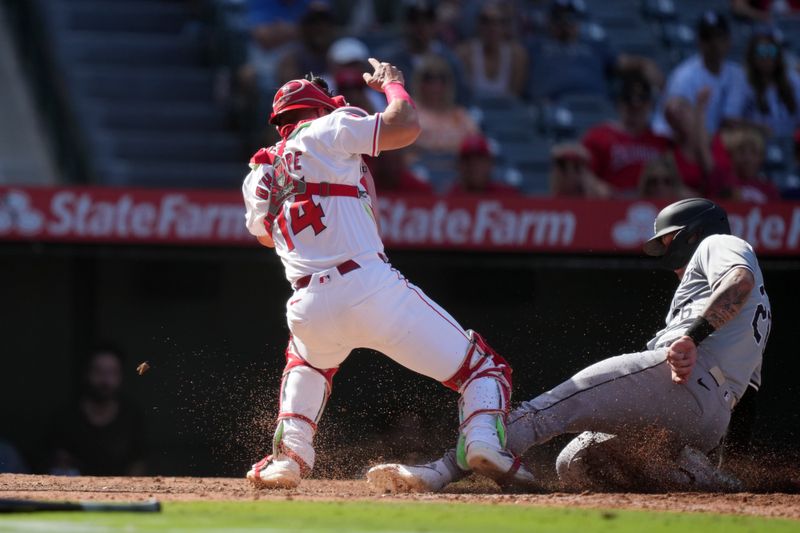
[737, 347]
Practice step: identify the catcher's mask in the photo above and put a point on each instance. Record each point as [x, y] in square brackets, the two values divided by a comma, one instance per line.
[303, 93]
[693, 220]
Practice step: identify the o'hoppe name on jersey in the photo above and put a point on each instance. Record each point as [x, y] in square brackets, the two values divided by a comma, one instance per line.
[487, 223]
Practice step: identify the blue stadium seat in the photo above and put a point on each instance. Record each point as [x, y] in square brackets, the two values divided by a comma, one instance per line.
[159, 116]
[126, 16]
[185, 84]
[131, 50]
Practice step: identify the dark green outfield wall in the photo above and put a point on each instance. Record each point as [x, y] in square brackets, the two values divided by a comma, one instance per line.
[211, 324]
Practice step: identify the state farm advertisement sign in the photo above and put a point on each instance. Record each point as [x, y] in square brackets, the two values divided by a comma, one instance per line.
[216, 218]
[122, 215]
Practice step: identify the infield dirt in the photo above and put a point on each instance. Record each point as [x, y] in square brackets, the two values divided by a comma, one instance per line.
[469, 491]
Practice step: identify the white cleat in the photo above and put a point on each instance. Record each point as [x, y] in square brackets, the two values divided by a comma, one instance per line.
[397, 478]
[269, 473]
[500, 465]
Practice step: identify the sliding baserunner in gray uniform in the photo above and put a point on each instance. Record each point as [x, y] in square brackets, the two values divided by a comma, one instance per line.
[649, 419]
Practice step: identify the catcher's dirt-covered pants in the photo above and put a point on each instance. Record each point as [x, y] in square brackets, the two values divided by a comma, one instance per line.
[374, 306]
[632, 398]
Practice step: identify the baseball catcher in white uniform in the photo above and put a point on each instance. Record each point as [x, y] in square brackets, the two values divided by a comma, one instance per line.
[650, 419]
[311, 197]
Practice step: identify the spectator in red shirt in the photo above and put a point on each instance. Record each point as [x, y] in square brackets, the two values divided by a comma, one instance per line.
[391, 174]
[570, 174]
[475, 167]
[746, 148]
[702, 163]
[620, 150]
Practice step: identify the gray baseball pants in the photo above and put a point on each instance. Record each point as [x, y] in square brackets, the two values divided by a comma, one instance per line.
[632, 418]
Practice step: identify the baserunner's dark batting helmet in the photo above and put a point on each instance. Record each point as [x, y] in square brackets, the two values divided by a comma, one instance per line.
[693, 219]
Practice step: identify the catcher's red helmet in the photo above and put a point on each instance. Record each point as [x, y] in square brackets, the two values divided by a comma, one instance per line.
[298, 94]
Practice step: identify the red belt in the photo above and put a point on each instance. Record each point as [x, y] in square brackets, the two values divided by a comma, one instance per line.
[343, 268]
[325, 188]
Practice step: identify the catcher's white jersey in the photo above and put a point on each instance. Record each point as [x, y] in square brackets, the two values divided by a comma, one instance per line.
[317, 233]
[737, 347]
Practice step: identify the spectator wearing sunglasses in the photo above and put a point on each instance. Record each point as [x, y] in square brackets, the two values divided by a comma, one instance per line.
[771, 97]
[571, 176]
[620, 149]
[661, 180]
[444, 122]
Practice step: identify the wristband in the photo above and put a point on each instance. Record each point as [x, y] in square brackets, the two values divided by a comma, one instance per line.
[699, 330]
[395, 91]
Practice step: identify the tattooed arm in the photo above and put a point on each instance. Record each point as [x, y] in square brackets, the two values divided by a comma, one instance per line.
[725, 303]
[730, 296]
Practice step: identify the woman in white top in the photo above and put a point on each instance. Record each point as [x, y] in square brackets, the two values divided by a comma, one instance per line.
[497, 64]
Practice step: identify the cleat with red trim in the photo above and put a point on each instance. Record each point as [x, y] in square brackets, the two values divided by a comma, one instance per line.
[271, 473]
[500, 465]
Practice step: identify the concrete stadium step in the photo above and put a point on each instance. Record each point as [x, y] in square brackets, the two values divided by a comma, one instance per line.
[154, 147]
[121, 15]
[149, 115]
[131, 49]
[184, 84]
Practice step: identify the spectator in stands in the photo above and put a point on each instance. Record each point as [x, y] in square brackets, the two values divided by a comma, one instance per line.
[571, 175]
[102, 434]
[660, 180]
[444, 122]
[347, 60]
[349, 83]
[420, 42]
[701, 168]
[496, 64]
[746, 148]
[762, 11]
[310, 52]
[274, 26]
[620, 149]
[364, 17]
[771, 96]
[476, 170]
[392, 174]
[562, 62]
[710, 69]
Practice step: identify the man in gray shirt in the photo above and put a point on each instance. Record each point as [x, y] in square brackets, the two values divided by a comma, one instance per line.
[649, 419]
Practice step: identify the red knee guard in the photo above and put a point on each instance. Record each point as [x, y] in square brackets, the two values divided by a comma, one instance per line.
[475, 367]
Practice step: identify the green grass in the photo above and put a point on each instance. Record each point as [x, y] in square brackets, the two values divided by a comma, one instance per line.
[313, 517]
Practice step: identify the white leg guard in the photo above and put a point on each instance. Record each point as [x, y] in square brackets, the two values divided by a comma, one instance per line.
[484, 381]
[304, 393]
